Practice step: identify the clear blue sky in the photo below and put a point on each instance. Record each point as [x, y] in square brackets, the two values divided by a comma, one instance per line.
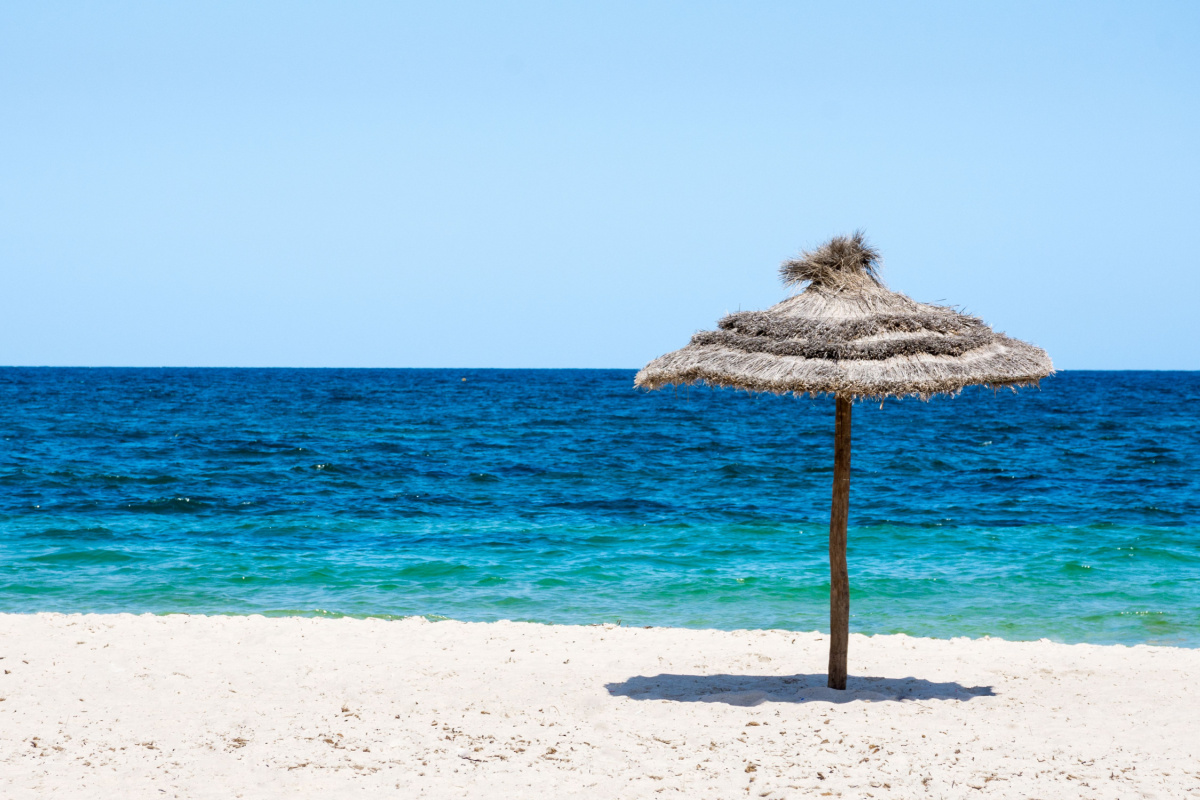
[584, 184]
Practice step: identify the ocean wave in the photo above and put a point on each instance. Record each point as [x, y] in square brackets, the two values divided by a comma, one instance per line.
[83, 558]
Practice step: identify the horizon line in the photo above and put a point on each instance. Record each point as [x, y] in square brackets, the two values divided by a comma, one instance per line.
[475, 369]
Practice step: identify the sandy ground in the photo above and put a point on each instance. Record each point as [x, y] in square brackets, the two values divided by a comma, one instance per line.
[221, 707]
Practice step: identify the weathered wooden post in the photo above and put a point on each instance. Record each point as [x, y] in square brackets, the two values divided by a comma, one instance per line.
[839, 578]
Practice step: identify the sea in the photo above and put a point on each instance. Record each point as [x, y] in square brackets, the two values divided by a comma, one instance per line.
[1069, 512]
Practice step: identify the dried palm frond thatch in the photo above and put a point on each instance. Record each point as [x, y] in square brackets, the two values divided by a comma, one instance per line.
[848, 335]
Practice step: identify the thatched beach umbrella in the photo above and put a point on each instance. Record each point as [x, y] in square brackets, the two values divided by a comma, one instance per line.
[847, 335]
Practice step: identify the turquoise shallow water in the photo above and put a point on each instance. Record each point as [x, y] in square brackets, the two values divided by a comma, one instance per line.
[1070, 512]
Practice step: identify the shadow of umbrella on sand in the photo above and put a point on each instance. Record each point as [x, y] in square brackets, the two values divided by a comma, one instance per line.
[850, 336]
[751, 690]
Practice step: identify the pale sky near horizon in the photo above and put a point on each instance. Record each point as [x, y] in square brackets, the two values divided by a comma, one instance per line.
[378, 184]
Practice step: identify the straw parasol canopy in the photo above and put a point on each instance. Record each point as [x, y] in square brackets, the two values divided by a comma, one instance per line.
[848, 335]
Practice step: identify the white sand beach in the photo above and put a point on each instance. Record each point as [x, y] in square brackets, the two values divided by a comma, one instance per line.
[223, 707]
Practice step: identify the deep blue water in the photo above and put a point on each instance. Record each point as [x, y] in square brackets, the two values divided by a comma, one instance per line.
[1070, 512]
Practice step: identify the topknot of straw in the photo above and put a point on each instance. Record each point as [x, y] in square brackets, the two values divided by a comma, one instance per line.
[841, 262]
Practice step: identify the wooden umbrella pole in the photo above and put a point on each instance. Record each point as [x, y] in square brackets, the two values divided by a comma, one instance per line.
[839, 578]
